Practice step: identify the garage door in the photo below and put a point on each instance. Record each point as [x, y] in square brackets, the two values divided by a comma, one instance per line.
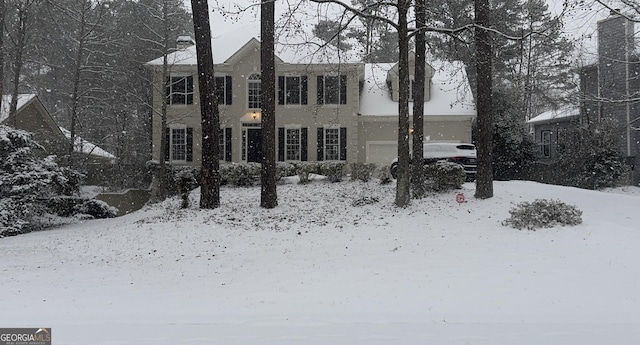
[381, 152]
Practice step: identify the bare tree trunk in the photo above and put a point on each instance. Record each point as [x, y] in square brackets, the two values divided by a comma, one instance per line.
[20, 42]
[210, 118]
[268, 194]
[484, 176]
[78, 66]
[417, 171]
[403, 183]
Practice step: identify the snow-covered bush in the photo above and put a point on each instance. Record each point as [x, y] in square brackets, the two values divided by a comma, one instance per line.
[27, 181]
[96, 209]
[304, 169]
[543, 213]
[591, 157]
[365, 200]
[334, 171]
[240, 174]
[443, 176]
[284, 169]
[384, 175]
[186, 180]
[362, 171]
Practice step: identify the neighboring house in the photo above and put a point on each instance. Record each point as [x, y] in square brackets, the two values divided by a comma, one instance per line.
[32, 116]
[611, 86]
[328, 106]
[550, 131]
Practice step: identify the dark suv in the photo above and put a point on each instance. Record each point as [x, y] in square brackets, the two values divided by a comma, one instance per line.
[463, 154]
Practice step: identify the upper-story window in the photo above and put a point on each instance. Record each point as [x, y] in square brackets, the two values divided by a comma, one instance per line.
[224, 90]
[254, 89]
[292, 90]
[332, 89]
[179, 90]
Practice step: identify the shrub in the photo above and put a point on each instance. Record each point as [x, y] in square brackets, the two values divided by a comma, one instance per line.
[384, 175]
[362, 171]
[591, 158]
[284, 169]
[240, 174]
[96, 209]
[334, 171]
[543, 213]
[365, 200]
[443, 176]
[304, 169]
[185, 180]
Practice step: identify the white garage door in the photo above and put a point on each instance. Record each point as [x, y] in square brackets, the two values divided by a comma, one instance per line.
[381, 152]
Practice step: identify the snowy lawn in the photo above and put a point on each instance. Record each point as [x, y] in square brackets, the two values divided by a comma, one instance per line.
[318, 270]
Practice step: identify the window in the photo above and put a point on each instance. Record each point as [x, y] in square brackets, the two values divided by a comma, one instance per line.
[332, 89]
[180, 90]
[332, 143]
[223, 90]
[179, 144]
[292, 143]
[224, 144]
[292, 90]
[546, 144]
[254, 88]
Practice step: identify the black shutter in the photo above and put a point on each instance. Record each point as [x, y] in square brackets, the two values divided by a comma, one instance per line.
[303, 86]
[189, 82]
[320, 143]
[280, 89]
[303, 144]
[228, 83]
[227, 144]
[189, 144]
[167, 141]
[281, 144]
[320, 90]
[343, 143]
[343, 89]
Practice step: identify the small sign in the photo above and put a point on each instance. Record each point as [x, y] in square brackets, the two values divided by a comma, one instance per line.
[25, 336]
[460, 198]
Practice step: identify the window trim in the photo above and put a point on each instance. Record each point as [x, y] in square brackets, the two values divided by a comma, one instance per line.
[172, 150]
[326, 128]
[288, 128]
[227, 89]
[189, 90]
[343, 82]
[252, 80]
[283, 94]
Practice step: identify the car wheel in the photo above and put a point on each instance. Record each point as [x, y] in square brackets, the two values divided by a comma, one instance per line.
[394, 170]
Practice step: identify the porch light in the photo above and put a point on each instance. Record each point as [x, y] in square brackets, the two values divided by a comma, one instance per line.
[254, 115]
[411, 130]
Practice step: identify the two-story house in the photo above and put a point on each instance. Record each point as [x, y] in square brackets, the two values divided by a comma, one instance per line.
[328, 107]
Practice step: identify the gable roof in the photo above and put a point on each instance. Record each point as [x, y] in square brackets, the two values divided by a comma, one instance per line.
[565, 113]
[450, 91]
[227, 45]
[23, 100]
[86, 147]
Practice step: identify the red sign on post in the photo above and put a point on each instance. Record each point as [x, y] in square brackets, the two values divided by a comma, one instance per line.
[460, 198]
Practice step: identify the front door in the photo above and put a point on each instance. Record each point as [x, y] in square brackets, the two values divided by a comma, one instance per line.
[254, 145]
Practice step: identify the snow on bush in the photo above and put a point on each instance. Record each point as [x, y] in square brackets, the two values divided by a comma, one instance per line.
[334, 171]
[96, 209]
[27, 181]
[443, 176]
[543, 213]
[384, 175]
[362, 171]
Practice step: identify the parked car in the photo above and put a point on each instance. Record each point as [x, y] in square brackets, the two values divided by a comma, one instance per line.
[463, 154]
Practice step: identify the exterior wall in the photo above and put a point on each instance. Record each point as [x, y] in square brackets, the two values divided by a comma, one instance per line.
[378, 135]
[556, 137]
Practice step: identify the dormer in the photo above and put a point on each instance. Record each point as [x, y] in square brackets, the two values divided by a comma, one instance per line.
[393, 80]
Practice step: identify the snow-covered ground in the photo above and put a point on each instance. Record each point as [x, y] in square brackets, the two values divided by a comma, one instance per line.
[317, 270]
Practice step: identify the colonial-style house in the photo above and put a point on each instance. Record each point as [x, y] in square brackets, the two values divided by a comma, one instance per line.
[329, 107]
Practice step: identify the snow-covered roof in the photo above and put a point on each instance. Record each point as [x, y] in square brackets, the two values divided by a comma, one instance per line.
[289, 48]
[23, 99]
[450, 91]
[559, 114]
[83, 146]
